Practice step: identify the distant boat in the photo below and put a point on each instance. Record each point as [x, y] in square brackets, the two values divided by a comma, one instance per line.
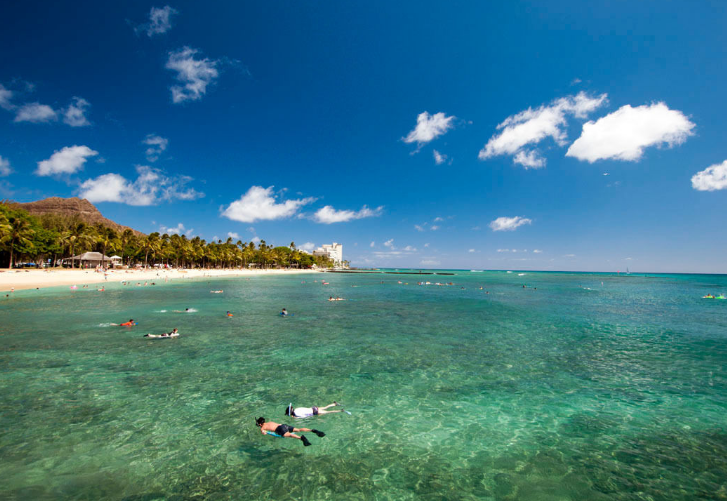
[476, 271]
[627, 271]
[509, 272]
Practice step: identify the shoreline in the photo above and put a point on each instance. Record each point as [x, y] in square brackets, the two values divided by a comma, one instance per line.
[41, 279]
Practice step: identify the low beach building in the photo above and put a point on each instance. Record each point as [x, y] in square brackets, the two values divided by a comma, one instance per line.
[332, 251]
[89, 259]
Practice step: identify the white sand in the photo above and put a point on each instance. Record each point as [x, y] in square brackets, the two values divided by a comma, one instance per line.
[32, 279]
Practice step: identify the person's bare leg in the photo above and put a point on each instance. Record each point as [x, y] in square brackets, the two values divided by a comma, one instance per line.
[320, 412]
[327, 406]
[300, 429]
[291, 435]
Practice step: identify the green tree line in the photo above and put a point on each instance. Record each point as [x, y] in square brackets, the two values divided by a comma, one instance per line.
[26, 238]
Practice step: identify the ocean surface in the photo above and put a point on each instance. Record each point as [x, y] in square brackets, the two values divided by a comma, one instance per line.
[576, 387]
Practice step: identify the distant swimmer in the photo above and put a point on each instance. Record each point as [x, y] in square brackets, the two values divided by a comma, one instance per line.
[229, 314]
[128, 324]
[284, 313]
[304, 412]
[217, 292]
[285, 430]
[173, 333]
[186, 310]
[331, 298]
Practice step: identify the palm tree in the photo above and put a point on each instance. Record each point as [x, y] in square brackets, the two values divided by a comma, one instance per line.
[77, 235]
[106, 237]
[151, 244]
[20, 234]
[126, 238]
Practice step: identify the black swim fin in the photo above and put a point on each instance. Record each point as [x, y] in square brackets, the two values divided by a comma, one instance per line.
[319, 433]
[305, 441]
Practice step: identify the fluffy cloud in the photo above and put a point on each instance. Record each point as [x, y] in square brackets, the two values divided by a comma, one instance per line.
[430, 262]
[328, 214]
[471, 250]
[259, 204]
[389, 244]
[36, 113]
[194, 74]
[160, 20]
[409, 248]
[66, 161]
[307, 247]
[508, 223]
[233, 235]
[712, 178]
[531, 126]
[75, 114]
[440, 158]
[6, 96]
[5, 169]
[149, 188]
[429, 127]
[156, 146]
[372, 244]
[537, 251]
[623, 134]
[178, 230]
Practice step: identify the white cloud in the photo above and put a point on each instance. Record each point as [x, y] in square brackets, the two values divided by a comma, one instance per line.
[215, 238]
[409, 248]
[430, 262]
[233, 235]
[328, 214]
[178, 230]
[150, 187]
[36, 113]
[623, 134]
[259, 204]
[419, 227]
[160, 20]
[255, 240]
[712, 178]
[439, 158]
[434, 227]
[156, 146]
[5, 169]
[537, 251]
[508, 223]
[438, 219]
[372, 244]
[5, 96]
[308, 247]
[429, 127]
[471, 250]
[194, 74]
[531, 126]
[66, 161]
[606, 174]
[529, 159]
[569, 255]
[503, 250]
[389, 244]
[426, 245]
[75, 114]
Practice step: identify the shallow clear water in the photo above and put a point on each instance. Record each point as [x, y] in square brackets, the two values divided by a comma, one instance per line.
[588, 387]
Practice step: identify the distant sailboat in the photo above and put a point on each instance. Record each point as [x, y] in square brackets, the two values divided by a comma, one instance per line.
[627, 271]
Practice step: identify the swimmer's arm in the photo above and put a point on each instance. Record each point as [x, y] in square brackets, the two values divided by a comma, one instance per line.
[263, 431]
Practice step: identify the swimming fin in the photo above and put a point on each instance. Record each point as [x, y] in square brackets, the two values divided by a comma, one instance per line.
[305, 441]
[319, 433]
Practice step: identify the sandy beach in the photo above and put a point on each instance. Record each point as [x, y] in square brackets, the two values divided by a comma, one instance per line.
[38, 279]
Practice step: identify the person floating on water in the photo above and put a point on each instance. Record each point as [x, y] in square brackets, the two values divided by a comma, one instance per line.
[284, 313]
[174, 333]
[303, 412]
[285, 430]
[229, 314]
[128, 324]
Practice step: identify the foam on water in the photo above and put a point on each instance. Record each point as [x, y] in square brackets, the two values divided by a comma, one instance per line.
[618, 392]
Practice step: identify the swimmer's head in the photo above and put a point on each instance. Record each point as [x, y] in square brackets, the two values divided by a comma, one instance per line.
[260, 421]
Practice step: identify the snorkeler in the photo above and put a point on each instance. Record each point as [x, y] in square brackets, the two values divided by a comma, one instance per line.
[303, 412]
[128, 324]
[284, 430]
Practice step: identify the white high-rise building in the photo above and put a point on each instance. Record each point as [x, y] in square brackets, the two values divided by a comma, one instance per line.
[333, 251]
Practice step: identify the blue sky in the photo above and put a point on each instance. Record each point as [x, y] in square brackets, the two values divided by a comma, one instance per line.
[417, 134]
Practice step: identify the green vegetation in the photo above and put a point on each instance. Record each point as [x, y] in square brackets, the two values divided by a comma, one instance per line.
[26, 238]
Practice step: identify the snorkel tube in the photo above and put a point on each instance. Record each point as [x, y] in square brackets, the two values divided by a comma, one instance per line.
[290, 409]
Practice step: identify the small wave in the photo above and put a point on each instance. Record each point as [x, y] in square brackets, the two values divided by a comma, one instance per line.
[105, 325]
[191, 310]
[521, 274]
[162, 311]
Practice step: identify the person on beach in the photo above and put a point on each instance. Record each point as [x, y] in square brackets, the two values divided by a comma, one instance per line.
[304, 412]
[285, 430]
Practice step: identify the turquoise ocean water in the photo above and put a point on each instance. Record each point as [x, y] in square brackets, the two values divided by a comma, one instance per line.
[592, 386]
